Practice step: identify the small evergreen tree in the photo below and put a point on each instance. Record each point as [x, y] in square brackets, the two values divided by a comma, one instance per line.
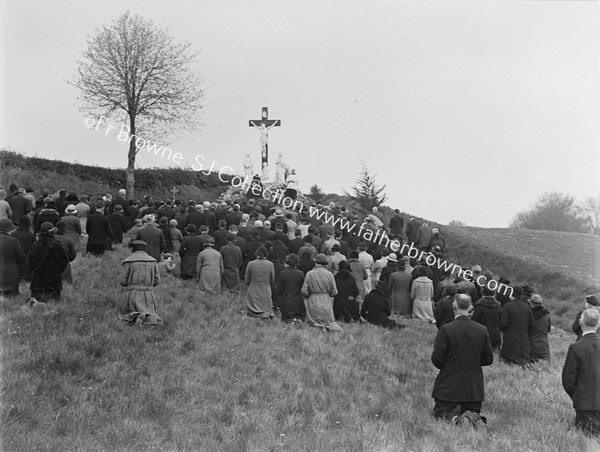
[366, 190]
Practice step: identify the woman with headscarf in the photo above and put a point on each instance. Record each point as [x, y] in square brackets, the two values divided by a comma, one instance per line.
[209, 267]
[260, 275]
[319, 289]
[191, 245]
[140, 274]
[290, 286]
[46, 260]
[542, 325]
[345, 304]
[421, 293]
[11, 256]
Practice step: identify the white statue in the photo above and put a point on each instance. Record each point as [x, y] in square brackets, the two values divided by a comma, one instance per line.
[248, 166]
[280, 170]
[265, 172]
[264, 134]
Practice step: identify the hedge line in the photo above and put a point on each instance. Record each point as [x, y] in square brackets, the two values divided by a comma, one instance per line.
[145, 179]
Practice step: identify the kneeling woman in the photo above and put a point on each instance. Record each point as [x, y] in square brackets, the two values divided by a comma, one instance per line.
[139, 275]
[319, 289]
[260, 275]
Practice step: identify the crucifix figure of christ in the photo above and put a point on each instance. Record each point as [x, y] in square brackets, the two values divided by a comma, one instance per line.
[263, 125]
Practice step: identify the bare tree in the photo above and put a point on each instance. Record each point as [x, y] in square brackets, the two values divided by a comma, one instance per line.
[590, 210]
[137, 69]
[552, 212]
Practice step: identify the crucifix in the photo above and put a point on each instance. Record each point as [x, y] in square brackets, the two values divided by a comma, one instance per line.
[174, 191]
[264, 124]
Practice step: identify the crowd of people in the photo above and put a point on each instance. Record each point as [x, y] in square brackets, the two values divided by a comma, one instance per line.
[296, 267]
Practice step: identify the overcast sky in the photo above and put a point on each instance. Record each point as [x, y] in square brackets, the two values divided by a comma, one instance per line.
[466, 110]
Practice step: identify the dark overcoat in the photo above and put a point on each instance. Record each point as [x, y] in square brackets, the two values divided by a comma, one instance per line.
[376, 309]
[461, 348]
[11, 256]
[581, 373]
[191, 246]
[291, 303]
[154, 238]
[487, 311]
[516, 322]
[538, 337]
[47, 260]
[98, 229]
[345, 306]
[25, 238]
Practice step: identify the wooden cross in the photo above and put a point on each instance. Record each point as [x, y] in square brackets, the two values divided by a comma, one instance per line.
[174, 191]
[264, 124]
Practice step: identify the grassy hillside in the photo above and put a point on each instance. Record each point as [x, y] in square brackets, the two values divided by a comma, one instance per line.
[74, 378]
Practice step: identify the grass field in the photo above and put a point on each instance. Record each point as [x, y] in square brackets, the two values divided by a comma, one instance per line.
[74, 378]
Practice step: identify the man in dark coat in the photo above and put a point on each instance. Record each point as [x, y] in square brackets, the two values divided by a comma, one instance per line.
[153, 236]
[461, 348]
[444, 310]
[118, 224]
[591, 301]
[289, 287]
[487, 312]
[120, 201]
[98, 230]
[376, 308]
[47, 260]
[345, 304]
[11, 256]
[396, 224]
[412, 230]
[47, 213]
[297, 243]
[581, 374]
[516, 322]
[26, 238]
[232, 263]
[20, 206]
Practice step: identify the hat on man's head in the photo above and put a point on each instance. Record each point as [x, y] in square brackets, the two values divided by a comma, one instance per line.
[526, 292]
[173, 223]
[118, 208]
[46, 228]
[392, 257]
[71, 209]
[122, 192]
[536, 299]
[292, 259]
[258, 224]
[191, 228]
[476, 269]
[163, 221]
[592, 300]
[209, 242]
[6, 225]
[261, 251]
[278, 213]
[321, 259]
[24, 221]
[381, 285]
[406, 259]
[138, 245]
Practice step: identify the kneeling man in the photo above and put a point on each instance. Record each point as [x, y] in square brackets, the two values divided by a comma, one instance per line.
[461, 348]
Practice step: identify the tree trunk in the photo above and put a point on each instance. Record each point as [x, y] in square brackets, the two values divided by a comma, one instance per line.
[130, 171]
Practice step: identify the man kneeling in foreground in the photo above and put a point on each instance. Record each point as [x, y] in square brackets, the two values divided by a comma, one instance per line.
[581, 374]
[139, 275]
[461, 348]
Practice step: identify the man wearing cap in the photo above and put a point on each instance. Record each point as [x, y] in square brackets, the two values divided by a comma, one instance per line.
[581, 374]
[461, 348]
[209, 267]
[153, 236]
[591, 301]
[140, 274]
[318, 290]
[388, 270]
[47, 260]
[516, 322]
[11, 257]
